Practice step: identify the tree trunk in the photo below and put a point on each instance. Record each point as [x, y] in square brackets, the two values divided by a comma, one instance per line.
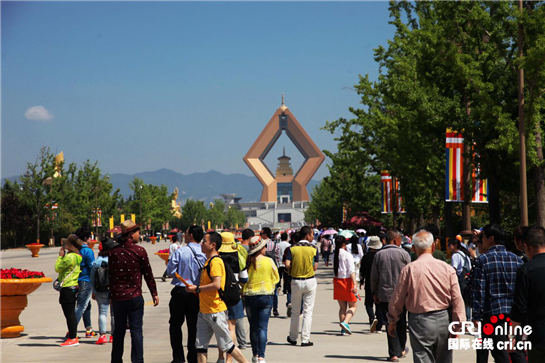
[494, 212]
[539, 178]
[38, 215]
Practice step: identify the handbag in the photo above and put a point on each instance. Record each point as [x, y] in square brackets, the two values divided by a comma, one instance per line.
[58, 285]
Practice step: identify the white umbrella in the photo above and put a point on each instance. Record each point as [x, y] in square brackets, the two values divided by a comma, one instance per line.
[347, 233]
[361, 230]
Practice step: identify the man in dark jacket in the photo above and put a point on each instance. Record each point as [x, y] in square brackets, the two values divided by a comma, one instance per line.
[375, 317]
[387, 265]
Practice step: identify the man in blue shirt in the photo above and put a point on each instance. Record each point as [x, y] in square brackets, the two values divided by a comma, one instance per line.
[187, 261]
[83, 307]
[493, 291]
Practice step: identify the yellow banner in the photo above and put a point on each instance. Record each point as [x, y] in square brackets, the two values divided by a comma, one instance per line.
[122, 218]
[133, 217]
[208, 224]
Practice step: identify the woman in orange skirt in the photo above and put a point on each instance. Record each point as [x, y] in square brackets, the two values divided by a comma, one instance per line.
[345, 289]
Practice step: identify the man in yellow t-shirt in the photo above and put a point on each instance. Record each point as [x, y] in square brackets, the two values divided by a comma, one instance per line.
[213, 311]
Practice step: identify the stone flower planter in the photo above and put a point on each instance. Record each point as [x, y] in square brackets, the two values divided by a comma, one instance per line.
[13, 301]
[153, 240]
[164, 256]
[34, 249]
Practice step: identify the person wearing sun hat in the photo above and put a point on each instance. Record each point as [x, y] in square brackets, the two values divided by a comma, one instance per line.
[128, 262]
[68, 267]
[259, 292]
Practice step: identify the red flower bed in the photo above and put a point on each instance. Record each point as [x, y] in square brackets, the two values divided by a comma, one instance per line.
[163, 251]
[34, 244]
[17, 273]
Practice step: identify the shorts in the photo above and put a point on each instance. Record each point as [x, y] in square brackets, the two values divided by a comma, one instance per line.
[213, 324]
[236, 312]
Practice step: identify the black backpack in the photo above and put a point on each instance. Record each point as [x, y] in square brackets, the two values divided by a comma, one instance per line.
[102, 281]
[464, 279]
[231, 294]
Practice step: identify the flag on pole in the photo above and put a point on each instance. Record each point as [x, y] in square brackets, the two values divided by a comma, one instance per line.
[454, 186]
[386, 182]
[480, 186]
[99, 217]
[389, 201]
[133, 217]
[399, 199]
[122, 218]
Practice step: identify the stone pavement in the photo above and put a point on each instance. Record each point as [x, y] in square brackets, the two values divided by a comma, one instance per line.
[45, 325]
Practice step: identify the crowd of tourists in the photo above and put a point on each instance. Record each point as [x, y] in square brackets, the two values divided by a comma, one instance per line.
[408, 285]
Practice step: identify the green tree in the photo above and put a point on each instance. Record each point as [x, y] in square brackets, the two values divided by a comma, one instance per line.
[234, 217]
[216, 213]
[193, 213]
[34, 185]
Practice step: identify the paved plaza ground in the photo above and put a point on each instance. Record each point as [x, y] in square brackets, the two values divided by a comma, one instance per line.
[45, 325]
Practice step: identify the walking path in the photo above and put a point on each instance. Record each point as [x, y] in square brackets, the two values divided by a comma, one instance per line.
[45, 325]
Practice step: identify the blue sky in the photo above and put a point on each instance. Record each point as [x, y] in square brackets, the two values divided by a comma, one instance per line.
[187, 86]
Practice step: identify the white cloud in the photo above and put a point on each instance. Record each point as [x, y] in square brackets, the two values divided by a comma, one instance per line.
[38, 113]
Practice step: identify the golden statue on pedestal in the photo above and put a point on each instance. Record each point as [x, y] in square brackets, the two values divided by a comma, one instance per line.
[175, 206]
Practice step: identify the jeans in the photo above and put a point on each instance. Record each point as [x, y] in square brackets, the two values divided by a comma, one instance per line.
[258, 309]
[304, 293]
[103, 301]
[397, 344]
[183, 306]
[132, 309]
[84, 303]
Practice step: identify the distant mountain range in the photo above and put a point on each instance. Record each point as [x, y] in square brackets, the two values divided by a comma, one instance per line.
[197, 186]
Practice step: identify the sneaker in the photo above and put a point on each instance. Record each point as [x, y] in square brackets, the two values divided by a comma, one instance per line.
[163, 278]
[111, 338]
[102, 339]
[291, 341]
[405, 352]
[255, 359]
[343, 333]
[90, 333]
[374, 325]
[275, 313]
[289, 311]
[70, 342]
[345, 327]
[307, 344]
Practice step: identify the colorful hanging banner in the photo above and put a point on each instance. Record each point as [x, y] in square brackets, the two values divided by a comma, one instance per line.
[480, 186]
[389, 201]
[454, 172]
[133, 217]
[454, 186]
[386, 191]
[399, 208]
[97, 217]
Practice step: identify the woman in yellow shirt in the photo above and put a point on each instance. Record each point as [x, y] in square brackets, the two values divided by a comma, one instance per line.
[258, 293]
